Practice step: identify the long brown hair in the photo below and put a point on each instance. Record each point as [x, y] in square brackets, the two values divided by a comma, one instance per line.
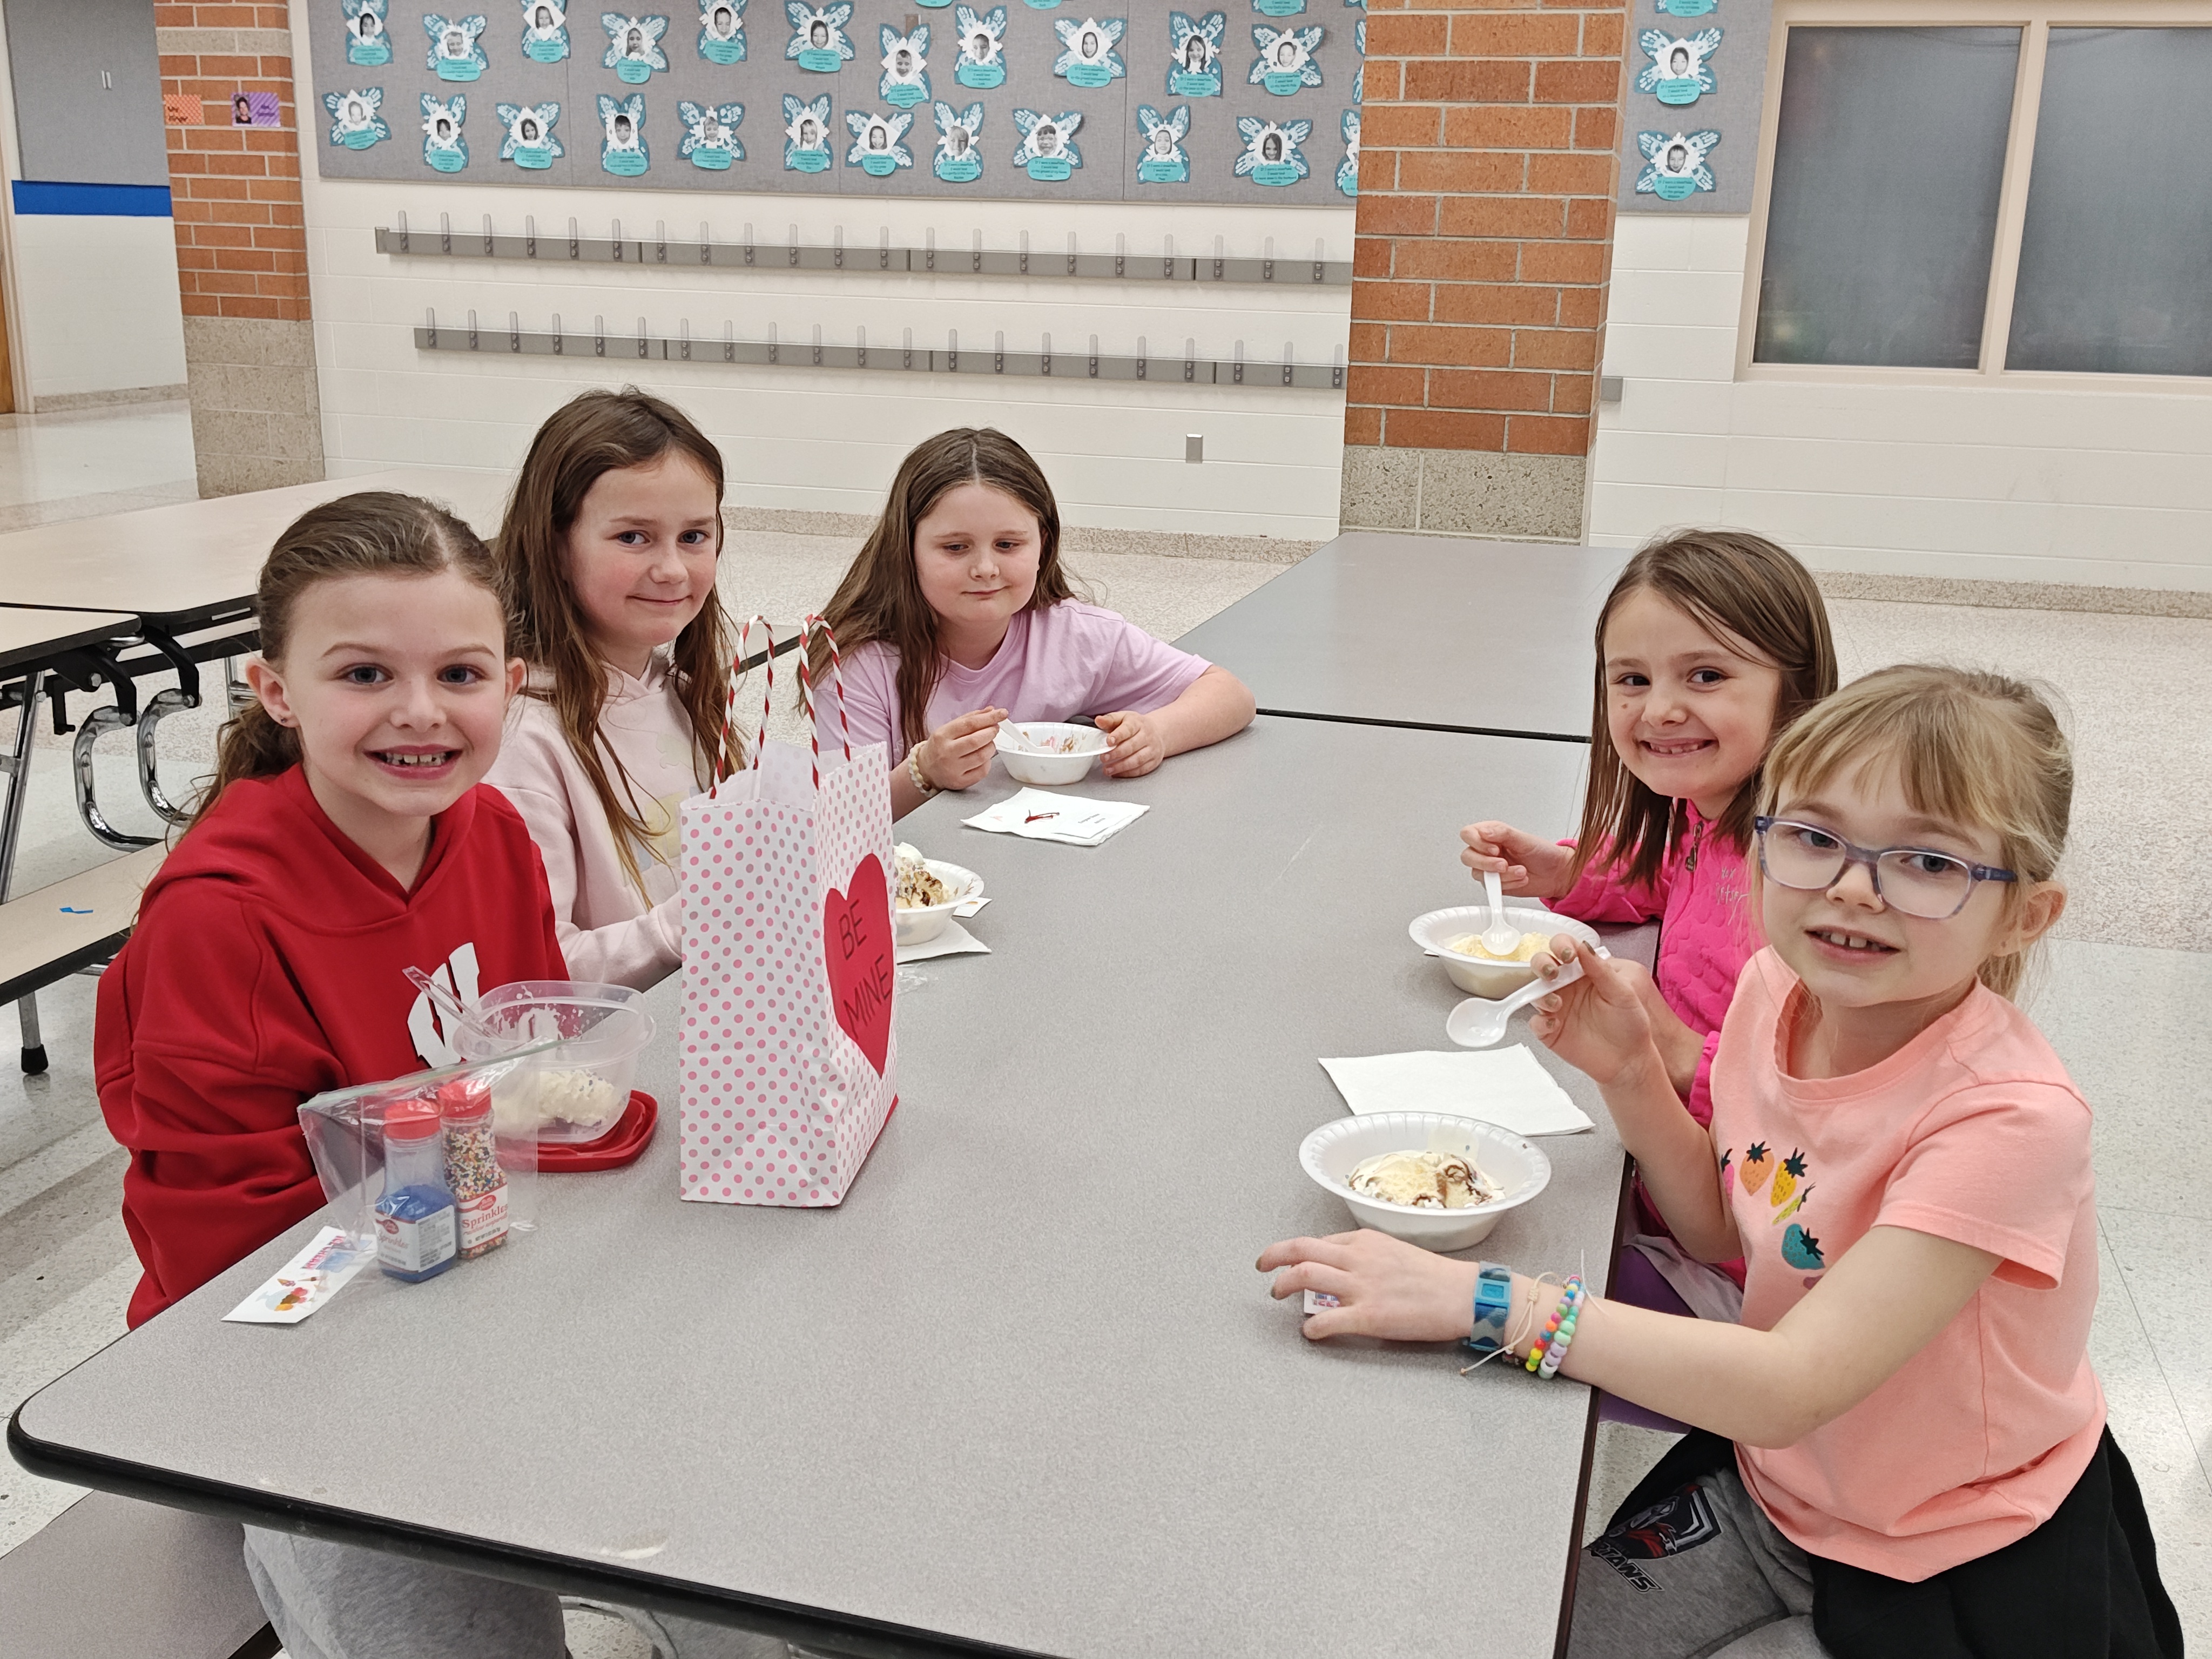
[1738, 587]
[378, 532]
[880, 598]
[593, 433]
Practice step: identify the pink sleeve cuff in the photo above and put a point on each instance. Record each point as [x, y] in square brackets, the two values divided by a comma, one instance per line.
[1700, 1100]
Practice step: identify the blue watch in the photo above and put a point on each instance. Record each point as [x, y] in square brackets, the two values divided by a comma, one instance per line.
[1493, 1302]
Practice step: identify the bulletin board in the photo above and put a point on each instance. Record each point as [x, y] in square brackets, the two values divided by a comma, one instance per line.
[1697, 88]
[1037, 99]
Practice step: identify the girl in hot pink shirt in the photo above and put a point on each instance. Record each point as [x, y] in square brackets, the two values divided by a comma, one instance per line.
[1920, 1463]
[957, 614]
[1710, 643]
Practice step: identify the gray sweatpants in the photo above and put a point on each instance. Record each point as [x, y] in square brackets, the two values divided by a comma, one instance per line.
[339, 1601]
[1701, 1575]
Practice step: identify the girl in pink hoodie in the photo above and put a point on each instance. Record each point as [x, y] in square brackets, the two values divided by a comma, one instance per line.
[1710, 643]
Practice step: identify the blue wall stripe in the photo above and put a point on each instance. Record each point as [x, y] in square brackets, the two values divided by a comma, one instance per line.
[104, 201]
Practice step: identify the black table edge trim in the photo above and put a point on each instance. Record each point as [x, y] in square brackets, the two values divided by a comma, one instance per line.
[1427, 726]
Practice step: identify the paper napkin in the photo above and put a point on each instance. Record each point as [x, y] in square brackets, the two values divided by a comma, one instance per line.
[952, 940]
[1504, 1086]
[1040, 815]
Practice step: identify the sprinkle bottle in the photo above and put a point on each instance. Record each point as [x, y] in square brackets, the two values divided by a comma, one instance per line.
[472, 1170]
[415, 1236]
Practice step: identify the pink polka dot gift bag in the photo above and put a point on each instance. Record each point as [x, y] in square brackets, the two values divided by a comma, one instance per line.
[789, 1059]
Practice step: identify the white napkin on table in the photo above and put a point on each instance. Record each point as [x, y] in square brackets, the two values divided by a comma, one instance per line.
[951, 940]
[1504, 1086]
[1040, 815]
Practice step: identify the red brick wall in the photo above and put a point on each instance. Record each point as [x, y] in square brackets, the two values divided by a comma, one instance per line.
[241, 237]
[1486, 179]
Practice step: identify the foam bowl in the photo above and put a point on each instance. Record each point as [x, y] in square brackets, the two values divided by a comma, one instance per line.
[925, 922]
[601, 1031]
[1491, 980]
[1023, 767]
[1331, 1153]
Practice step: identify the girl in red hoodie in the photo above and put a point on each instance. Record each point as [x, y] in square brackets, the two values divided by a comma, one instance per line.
[346, 839]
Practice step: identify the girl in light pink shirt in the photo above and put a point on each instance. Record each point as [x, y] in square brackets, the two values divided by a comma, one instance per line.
[1903, 1449]
[608, 554]
[957, 614]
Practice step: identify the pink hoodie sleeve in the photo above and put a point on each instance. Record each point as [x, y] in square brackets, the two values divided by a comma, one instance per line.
[1601, 894]
[639, 952]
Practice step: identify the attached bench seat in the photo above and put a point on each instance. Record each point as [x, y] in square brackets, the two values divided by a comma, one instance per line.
[50, 933]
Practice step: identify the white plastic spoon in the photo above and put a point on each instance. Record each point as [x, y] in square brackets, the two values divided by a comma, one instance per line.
[1501, 938]
[1021, 742]
[1479, 1022]
[448, 1004]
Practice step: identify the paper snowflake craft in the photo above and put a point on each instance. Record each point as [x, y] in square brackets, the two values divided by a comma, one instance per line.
[443, 145]
[818, 30]
[983, 46]
[354, 122]
[456, 52]
[710, 127]
[1089, 57]
[1347, 170]
[528, 126]
[622, 122]
[1046, 137]
[1674, 163]
[633, 43]
[1359, 75]
[722, 31]
[366, 43]
[805, 126]
[959, 137]
[1163, 159]
[1196, 43]
[877, 135]
[906, 64]
[1270, 147]
[1677, 72]
[1285, 60]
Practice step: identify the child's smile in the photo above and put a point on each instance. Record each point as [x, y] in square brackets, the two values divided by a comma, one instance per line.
[1689, 712]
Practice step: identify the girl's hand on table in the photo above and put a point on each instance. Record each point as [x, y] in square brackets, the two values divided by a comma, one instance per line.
[1138, 747]
[1598, 1025]
[1527, 866]
[1387, 1287]
[958, 753]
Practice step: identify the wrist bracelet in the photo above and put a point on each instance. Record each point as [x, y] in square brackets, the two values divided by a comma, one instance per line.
[914, 771]
[1493, 1301]
[1547, 1352]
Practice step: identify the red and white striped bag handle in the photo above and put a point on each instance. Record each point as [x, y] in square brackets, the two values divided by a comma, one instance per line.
[806, 630]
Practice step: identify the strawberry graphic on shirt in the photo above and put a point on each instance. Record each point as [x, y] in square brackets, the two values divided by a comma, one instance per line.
[1758, 1165]
[1728, 1173]
[1801, 1250]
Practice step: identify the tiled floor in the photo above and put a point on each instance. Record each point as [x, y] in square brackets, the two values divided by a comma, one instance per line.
[2122, 994]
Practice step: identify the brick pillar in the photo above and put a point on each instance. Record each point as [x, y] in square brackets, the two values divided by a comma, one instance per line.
[1486, 180]
[242, 248]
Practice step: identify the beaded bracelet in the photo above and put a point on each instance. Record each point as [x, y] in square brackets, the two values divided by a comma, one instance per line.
[914, 771]
[1560, 1316]
[1556, 1355]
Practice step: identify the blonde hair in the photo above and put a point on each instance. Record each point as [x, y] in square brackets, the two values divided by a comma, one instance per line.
[1979, 750]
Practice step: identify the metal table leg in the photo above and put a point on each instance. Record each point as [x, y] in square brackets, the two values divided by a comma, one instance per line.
[17, 764]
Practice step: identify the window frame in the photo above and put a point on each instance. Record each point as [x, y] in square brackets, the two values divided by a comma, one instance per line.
[2035, 19]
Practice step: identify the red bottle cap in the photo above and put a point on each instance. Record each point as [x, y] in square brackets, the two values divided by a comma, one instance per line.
[463, 1097]
[411, 1120]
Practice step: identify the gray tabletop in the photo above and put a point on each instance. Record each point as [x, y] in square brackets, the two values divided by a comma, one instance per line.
[29, 636]
[1024, 1388]
[1423, 630]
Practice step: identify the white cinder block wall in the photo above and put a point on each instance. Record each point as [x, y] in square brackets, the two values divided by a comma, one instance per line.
[830, 439]
[2092, 480]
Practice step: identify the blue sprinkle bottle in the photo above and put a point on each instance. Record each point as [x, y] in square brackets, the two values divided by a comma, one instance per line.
[416, 1236]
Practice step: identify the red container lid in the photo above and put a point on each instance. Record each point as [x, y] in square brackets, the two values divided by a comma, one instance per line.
[411, 1120]
[463, 1097]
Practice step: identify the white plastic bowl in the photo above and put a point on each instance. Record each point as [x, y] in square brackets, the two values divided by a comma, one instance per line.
[1072, 768]
[1333, 1151]
[925, 922]
[602, 1029]
[1475, 975]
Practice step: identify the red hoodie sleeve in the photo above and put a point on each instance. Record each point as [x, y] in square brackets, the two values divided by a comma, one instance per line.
[1603, 894]
[205, 1051]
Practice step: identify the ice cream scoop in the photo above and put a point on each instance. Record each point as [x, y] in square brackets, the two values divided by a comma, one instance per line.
[1427, 1181]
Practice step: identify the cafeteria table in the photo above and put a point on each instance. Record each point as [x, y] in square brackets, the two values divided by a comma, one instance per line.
[1023, 1391]
[1428, 631]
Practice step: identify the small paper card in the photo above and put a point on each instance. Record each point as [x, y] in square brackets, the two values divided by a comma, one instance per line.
[1316, 1300]
[1040, 815]
[952, 940]
[968, 908]
[305, 1282]
[1505, 1086]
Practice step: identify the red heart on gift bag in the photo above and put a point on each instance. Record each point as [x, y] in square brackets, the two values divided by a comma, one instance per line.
[856, 949]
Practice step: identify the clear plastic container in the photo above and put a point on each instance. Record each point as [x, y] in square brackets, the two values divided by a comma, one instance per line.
[582, 1085]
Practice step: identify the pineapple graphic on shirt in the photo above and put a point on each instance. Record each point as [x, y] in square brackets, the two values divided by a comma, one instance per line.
[1758, 1165]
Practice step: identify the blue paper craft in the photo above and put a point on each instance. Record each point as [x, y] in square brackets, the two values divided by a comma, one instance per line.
[632, 47]
[1286, 64]
[710, 135]
[1686, 7]
[355, 121]
[623, 150]
[456, 45]
[1347, 170]
[905, 81]
[1674, 164]
[544, 31]
[1278, 8]
[818, 43]
[1194, 54]
[444, 147]
[959, 159]
[1089, 60]
[1047, 151]
[876, 149]
[722, 31]
[1271, 155]
[1359, 75]
[806, 135]
[1677, 73]
[982, 63]
[1040, 5]
[367, 44]
[530, 143]
[1163, 160]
